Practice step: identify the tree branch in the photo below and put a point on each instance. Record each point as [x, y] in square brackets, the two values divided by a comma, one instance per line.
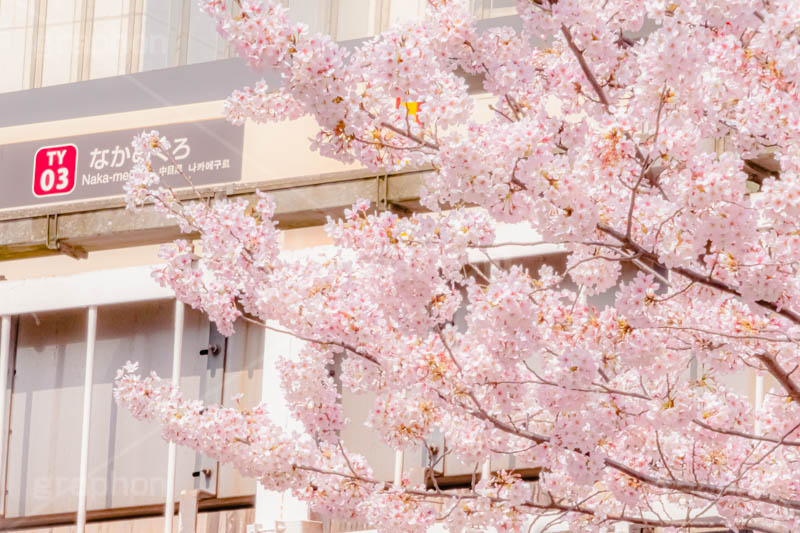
[696, 276]
[774, 368]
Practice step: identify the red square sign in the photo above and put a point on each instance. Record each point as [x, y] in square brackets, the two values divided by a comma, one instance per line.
[55, 169]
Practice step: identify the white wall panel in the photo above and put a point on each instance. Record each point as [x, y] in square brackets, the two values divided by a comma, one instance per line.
[363, 440]
[44, 448]
[128, 458]
[242, 375]
[133, 284]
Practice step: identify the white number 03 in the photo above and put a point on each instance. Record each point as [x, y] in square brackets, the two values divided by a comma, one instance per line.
[48, 179]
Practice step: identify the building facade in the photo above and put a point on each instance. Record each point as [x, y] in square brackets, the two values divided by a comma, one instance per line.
[76, 298]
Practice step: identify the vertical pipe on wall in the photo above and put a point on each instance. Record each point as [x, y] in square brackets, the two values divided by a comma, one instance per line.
[184, 29]
[5, 348]
[91, 335]
[177, 349]
[398, 468]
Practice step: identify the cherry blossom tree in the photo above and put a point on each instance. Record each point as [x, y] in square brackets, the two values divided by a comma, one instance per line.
[598, 142]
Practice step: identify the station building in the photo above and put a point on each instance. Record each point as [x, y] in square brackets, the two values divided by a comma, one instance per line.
[80, 78]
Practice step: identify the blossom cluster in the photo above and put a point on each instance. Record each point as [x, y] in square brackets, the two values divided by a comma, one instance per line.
[655, 145]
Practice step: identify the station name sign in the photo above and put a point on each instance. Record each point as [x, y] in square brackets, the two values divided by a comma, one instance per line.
[94, 166]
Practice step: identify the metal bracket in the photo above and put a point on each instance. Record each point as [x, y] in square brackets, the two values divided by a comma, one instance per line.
[52, 232]
[206, 472]
[382, 197]
[75, 252]
[52, 242]
[212, 349]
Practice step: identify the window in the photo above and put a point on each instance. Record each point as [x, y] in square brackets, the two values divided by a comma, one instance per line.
[494, 8]
[62, 41]
[111, 33]
[406, 10]
[178, 33]
[344, 19]
[51, 42]
[355, 19]
[312, 12]
[160, 28]
[16, 35]
[204, 43]
[127, 458]
[62, 36]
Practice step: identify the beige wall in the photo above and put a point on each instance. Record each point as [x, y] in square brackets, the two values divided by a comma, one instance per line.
[61, 265]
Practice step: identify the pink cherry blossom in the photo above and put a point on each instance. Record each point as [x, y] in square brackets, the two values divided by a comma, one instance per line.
[623, 134]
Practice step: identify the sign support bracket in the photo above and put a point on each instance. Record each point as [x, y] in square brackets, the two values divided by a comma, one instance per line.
[52, 242]
[52, 232]
[382, 197]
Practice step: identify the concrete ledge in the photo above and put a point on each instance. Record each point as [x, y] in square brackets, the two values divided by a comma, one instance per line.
[304, 203]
